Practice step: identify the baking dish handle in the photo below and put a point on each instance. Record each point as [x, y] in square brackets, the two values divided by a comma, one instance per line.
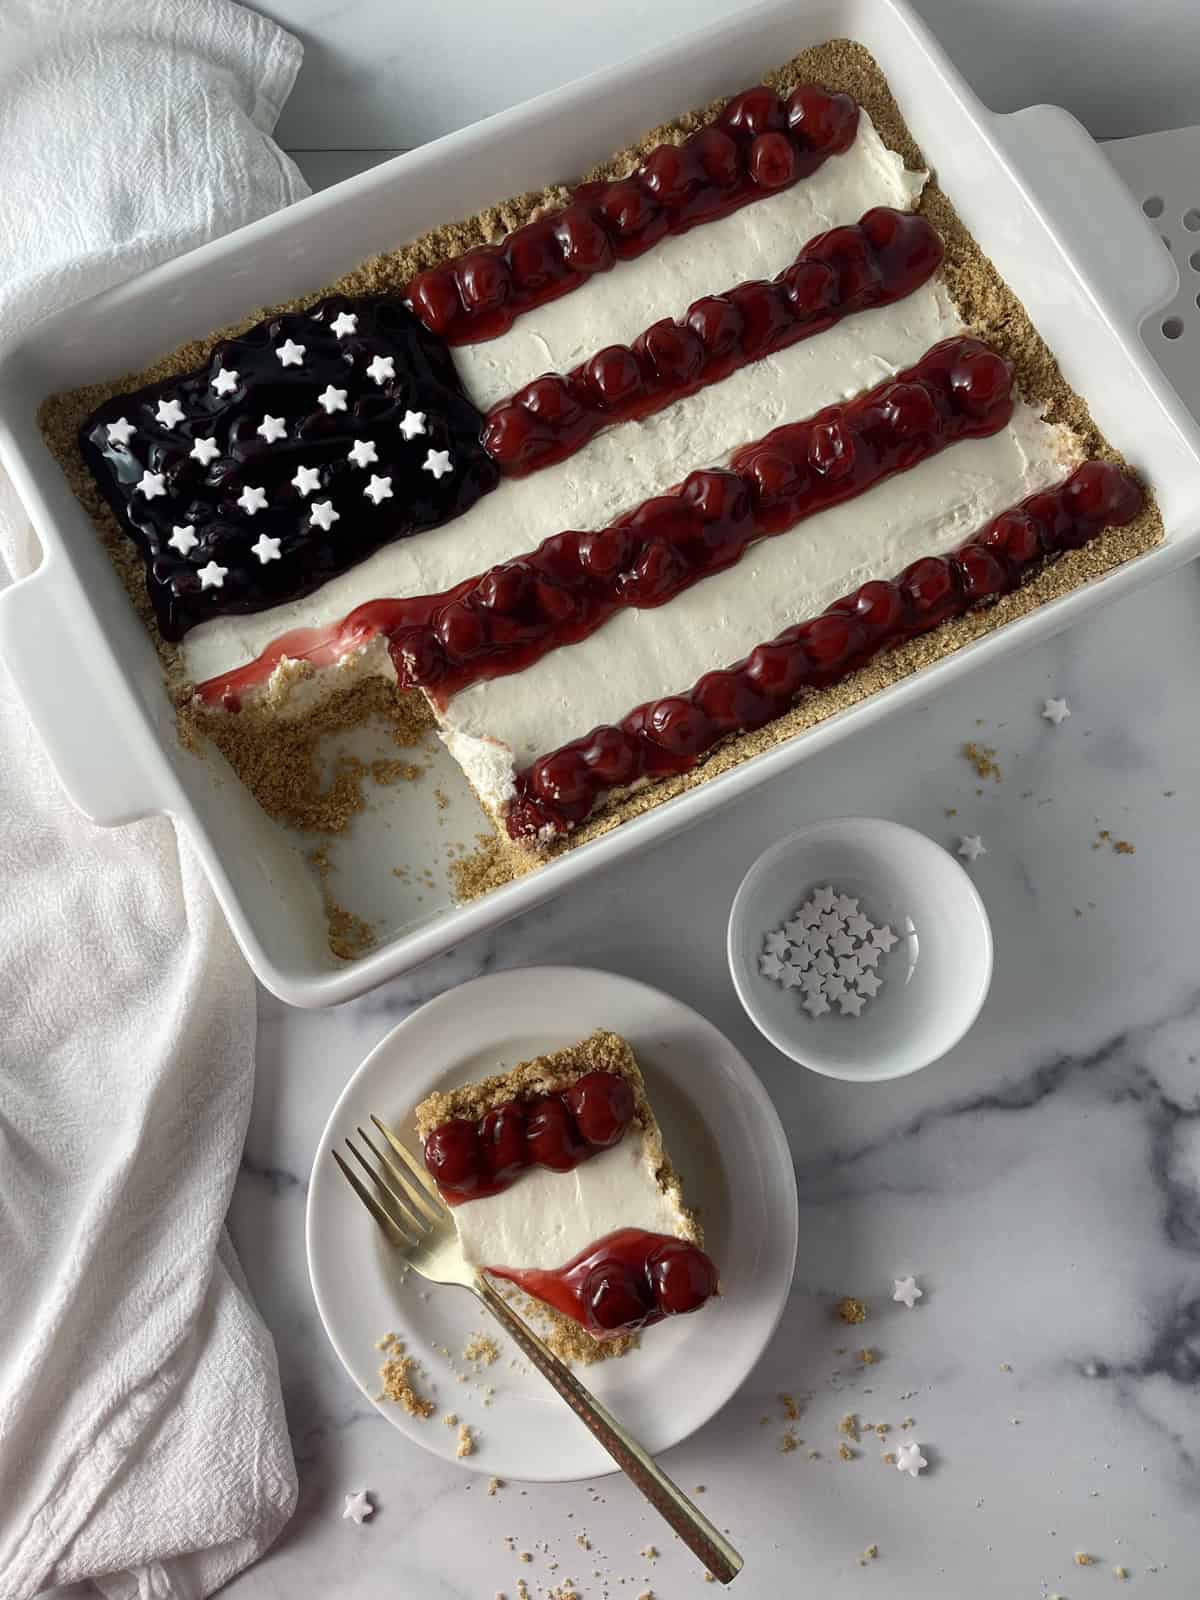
[57, 666]
[1073, 182]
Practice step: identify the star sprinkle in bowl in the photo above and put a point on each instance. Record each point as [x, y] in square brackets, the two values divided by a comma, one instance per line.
[860, 948]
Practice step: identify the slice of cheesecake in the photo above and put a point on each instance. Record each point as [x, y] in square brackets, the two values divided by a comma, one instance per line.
[560, 1184]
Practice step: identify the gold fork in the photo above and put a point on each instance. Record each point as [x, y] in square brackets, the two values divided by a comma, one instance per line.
[415, 1219]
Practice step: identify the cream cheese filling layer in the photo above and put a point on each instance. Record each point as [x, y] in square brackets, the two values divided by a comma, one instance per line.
[496, 727]
[757, 241]
[545, 1218]
[615, 472]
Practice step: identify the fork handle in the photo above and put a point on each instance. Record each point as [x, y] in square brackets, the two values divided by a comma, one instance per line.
[688, 1521]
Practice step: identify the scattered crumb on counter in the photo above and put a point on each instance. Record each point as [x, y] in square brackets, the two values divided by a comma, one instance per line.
[848, 1426]
[846, 1453]
[789, 1442]
[1082, 1559]
[851, 1311]
[871, 1553]
[983, 759]
[451, 1419]
[791, 1409]
[867, 1357]
[888, 1458]
[1120, 1572]
[495, 1485]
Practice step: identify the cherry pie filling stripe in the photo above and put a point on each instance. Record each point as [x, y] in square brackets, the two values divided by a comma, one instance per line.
[758, 145]
[669, 735]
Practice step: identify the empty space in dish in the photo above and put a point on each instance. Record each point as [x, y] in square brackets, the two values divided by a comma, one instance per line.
[1030, 187]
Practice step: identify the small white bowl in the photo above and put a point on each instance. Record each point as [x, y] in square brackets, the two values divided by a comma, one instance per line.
[935, 979]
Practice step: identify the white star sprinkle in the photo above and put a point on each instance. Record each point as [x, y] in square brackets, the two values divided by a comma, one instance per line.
[906, 1291]
[362, 452]
[152, 484]
[858, 925]
[345, 322]
[271, 428]
[169, 413]
[841, 944]
[358, 1507]
[909, 1459]
[800, 955]
[437, 462]
[212, 576]
[306, 480]
[332, 399]
[266, 549]
[971, 847]
[813, 982]
[226, 381]
[381, 369]
[869, 954]
[851, 1004]
[183, 537]
[883, 938]
[816, 1004]
[323, 515]
[796, 929]
[868, 983]
[770, 966]
[252, 500]
[824, 963]
[810, 915]
[791, 977]
[1056, 711]
[413, 423]
[290, 354]
[845, 907]
[775, 944]
[824, 898]
[119, 432]
[204, 451]
[378, 489]
[849, 969]
[829, 924]
[834, 987]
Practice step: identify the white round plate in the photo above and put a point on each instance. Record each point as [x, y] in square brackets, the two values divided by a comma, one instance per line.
[724, 1137]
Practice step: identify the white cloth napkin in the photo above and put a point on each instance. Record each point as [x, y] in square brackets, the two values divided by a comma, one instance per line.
[143, 1444]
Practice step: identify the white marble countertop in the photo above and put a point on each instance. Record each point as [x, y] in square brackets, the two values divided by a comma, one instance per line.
[1043, 1182]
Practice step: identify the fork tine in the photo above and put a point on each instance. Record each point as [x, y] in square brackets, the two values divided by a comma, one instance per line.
[388, 1199]
[436, 1212]
[400, 1189]
[394, 1233]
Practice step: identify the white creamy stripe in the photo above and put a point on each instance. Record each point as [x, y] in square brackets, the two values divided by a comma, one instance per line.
[545, 1218]
[615, 472]
[495, 726]
[758, 241]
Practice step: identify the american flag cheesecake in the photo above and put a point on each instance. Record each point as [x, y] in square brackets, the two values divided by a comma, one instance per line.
[623, 480]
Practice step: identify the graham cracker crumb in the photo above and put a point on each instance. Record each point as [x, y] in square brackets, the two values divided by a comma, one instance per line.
[466, 1442]
[871, 1553]
[397, 1386]
[482, 1349]
[650, 1553]
[1082, 1559]
[495, 1485]
[846, 1453]
[882, 1428]
[451, 1419]
[888, 1458]
[789, 1442]
[983, 758]
[867, 1357]
[526, 1556]
[851, 1310]
[790, 1408]
[1120, 1572]
[848, 1426]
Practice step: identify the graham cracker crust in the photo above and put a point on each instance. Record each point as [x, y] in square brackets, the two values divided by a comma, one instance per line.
[987, 305]
[603, 1051]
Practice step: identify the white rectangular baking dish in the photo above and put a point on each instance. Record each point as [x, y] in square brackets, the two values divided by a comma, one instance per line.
[1032, 187]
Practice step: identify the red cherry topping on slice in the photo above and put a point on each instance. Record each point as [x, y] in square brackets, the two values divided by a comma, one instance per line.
[551, 1137]
[613, 1300]
[453, 1156]
[502, 1142]
[980, 379]
[682, 1277]
[602, 1105]
[585, 245]
[825, 122]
